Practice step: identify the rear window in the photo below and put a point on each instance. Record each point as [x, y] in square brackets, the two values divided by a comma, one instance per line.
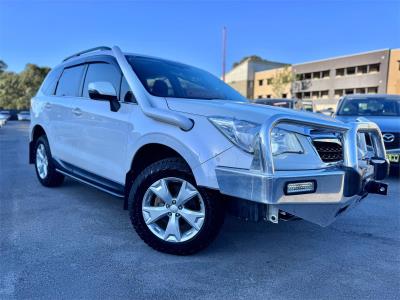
[370, 107]
[70, 81]
[50, 82]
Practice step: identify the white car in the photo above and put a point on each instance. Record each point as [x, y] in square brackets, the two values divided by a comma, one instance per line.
[5, 114]
[3, 120]
[24, 116]
[180, 146]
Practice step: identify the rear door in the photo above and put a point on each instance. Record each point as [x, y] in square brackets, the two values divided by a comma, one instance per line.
[103, 134]
[63, 110]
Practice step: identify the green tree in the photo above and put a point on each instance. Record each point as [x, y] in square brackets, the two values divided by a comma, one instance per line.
[16, 90]
[9, 90]
[30, 80]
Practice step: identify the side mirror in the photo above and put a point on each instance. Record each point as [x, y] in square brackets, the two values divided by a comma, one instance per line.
[103, 90]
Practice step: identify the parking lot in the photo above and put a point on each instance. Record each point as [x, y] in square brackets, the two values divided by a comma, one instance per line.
[77, 242]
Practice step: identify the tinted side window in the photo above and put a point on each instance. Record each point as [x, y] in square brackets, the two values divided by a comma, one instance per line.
[126, 94]
[50, 83]
[102, 72]
[70, 81]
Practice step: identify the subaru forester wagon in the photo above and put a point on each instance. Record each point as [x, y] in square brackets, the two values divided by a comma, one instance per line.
[181, 147]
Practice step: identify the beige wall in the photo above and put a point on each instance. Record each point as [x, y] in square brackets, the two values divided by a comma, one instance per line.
[393, 82]
[241, 86]
[265, 89]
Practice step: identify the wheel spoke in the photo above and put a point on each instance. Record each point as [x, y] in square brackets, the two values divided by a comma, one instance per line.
[194, 218]
[154, 213]
[160, 189]
[173, 229]
[186, 193]
[40, 152]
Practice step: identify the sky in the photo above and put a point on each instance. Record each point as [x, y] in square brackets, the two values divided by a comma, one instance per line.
[45, 32]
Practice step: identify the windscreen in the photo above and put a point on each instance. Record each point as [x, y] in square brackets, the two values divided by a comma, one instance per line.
[370, 107]
[170, 79]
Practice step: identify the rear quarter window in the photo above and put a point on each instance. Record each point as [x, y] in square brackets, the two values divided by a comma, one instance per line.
[50, 82]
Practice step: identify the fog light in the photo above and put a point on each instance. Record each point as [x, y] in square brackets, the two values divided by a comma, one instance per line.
[300, 187]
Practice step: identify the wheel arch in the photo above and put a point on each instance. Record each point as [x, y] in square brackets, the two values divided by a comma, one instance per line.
[148, 153]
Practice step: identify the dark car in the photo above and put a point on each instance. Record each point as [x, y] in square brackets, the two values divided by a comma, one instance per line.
[284, 102]
[384, 110]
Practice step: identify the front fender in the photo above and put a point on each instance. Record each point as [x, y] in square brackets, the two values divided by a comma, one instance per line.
[196, 146]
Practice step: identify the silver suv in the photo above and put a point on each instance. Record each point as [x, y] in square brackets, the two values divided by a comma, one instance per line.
[181, 147]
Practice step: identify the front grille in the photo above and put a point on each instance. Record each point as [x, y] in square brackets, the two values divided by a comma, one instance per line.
[329, 151]
[391, 140]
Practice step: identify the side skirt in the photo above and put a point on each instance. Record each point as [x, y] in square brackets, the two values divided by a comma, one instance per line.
[89, 178]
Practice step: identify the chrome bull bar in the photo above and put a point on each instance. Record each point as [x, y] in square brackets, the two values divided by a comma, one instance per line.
[338, 187]
[349, 140]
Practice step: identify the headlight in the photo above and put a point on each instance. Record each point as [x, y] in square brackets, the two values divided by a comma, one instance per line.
[241, 133]
[283, 141]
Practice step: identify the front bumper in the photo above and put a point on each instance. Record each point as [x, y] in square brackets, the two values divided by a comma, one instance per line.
[337, 187]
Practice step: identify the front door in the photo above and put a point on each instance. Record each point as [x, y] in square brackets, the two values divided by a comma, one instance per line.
[103, 134]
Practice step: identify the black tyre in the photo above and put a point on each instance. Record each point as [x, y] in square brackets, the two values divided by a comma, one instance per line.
[170, 213]
[44, 166]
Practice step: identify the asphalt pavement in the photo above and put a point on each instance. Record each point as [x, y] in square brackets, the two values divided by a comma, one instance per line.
[75, 242]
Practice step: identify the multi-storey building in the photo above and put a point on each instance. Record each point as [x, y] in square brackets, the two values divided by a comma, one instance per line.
[241, 77]
[265, 87]
[325, 81]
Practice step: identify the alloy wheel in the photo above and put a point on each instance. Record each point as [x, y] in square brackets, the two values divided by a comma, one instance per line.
[42, 162]
[173, 209]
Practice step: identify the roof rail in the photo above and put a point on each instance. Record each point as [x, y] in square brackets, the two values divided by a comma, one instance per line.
[87, 51]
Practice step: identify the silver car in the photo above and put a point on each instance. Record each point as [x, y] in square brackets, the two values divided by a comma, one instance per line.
[24, 116]
[180, 146]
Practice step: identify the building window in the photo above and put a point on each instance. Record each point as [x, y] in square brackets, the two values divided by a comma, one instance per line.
[269, 81]
[362, 69]
[338, 93]
[299, 96]
[326, 73]
[350, 70]
[260, 82]
[315, 95]
[268, 96]
[301, 77]
[349, 91]
[360, 90]
[324, 94]
[259, 97]
[373, 90]
[316, 75]
[307, 76]
[374, 68]
[284, 95]
[340, 72]
[307, 95]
